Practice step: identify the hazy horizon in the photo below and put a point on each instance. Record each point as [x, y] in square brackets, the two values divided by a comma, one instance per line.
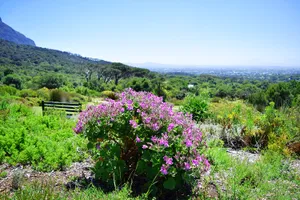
[152, 64]
[194, 33]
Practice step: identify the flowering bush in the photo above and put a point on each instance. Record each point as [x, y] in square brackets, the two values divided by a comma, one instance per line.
[138, 137]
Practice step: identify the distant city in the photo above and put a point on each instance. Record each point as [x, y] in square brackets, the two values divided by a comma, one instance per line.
[256, 72]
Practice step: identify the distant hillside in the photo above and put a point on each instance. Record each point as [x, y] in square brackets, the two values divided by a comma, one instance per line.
[42, 59]
[9, 34]
[30, 62]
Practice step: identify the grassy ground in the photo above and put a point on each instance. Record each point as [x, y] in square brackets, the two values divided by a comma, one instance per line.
[37, 110]
[270, 177]
[47, 191]
[176, 108]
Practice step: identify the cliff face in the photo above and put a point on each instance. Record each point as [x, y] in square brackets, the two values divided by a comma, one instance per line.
[8, 33]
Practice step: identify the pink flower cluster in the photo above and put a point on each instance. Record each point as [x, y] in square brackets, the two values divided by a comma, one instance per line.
[149, 112]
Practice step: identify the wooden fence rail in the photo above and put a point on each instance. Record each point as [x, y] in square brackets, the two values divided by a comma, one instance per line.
[64, 106]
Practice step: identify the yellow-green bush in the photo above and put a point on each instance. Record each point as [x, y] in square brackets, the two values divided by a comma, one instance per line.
[27, 93]
[5, 89]
[43, 93]
[252, 129]
[108, 94]
[77, 97]
[175, 101]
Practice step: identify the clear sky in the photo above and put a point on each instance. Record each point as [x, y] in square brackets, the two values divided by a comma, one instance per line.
[200, 32]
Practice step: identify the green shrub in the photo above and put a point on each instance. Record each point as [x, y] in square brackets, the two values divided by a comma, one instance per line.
[4, 104]
[296, 101]
[175, 101]
[180, 95]
[5, 89]
[197, 106]
[45, 142]
[82, 90]
[243, 126]
[77, 97]
[27, 93]
[108, 94]
[275, 129]
[86, 91]
[29, 101]
[13, 79]
[43, 93]
[51, 81]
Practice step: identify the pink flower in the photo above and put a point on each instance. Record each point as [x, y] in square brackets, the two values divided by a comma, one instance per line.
[155, 127]
[195, 162]
[154, 139]
[144, 147]
[188, 143]
[143, 105]
[164, 170]
[206, 163]
[169, 161]
[137, 139]
[133, 123]
[170, 127]
[199, 158]
[163, 142]
[147, 120]
[129, 107]
[187, 166]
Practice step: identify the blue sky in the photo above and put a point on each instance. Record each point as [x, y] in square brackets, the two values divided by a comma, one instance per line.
[201, 32]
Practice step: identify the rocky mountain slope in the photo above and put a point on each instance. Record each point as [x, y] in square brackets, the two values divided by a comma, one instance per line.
[8, 33]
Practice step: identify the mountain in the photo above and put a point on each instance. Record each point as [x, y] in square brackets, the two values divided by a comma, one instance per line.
[8, 33]
[31, 57]
[29, 62]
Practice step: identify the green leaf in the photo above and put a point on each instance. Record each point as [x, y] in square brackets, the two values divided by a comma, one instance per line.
[170, 183]
[141, 166]
[151, 171]
[90, 145]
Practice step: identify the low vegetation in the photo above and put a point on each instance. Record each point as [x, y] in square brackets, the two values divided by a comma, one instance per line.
[44, 142]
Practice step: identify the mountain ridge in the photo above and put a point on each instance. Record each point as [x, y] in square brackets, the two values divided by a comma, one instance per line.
[9, 34]
[26, 55]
